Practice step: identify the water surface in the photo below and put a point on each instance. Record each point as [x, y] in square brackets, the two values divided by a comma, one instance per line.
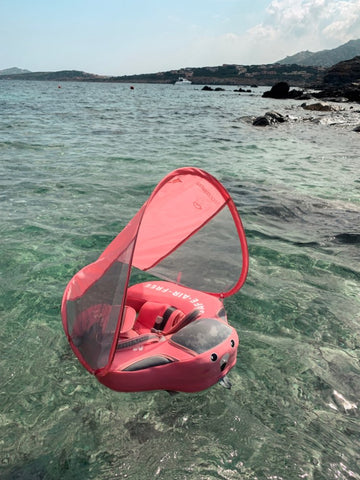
[76, 163]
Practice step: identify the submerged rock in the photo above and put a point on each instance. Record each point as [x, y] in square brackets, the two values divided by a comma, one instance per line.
[335, 99]
[343, 404]
[276, 117]
[210, 89]
[319, 107]
[261, 121]
[268, 119]
[242, 90]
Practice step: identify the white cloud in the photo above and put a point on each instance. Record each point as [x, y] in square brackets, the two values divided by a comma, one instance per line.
[309, 24]
[287, 27]
[345, 24]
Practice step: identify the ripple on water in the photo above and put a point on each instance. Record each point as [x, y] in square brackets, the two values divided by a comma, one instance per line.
[77, 163]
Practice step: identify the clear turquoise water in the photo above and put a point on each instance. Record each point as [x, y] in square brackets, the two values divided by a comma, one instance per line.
[76, 163]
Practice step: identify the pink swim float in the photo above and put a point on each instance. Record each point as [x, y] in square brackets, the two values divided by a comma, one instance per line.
[169, 335]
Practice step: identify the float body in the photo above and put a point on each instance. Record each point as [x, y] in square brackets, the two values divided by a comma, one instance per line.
[163, 335]
[160, 352]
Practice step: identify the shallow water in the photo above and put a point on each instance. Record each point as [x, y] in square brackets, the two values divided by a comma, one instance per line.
[76, 163]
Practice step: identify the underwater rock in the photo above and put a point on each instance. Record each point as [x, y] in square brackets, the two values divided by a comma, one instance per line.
[268, 119]
[343, 404]
[276, 117]
[210, 89]
[319, 107]
[261, 121]
[242, 90]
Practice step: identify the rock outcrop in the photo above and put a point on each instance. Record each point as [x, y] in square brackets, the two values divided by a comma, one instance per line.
[348, 93]
[343, 73]
[282, 90]
[342, 82]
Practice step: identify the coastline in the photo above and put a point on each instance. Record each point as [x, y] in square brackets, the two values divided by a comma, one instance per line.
[238, 75]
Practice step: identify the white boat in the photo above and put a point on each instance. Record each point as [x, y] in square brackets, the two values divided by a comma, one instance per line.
[182, 81]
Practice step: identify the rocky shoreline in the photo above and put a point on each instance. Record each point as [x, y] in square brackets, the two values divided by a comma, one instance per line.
[327, 97]
[274, 118]
[333, 93]
[341, 85]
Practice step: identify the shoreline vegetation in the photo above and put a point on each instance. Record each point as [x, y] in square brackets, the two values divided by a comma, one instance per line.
[342, 80]
[219, 75]
[304, 69]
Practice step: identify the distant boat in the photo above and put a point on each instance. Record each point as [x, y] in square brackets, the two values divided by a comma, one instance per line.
[182, 81]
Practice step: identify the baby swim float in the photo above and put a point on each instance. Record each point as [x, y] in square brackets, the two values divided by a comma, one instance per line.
[170, 334]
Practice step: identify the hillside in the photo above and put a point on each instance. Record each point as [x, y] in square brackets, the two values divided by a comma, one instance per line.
[61, 76]
[219, 75]
[13, 71]
[344, 73]
[324, 58]
[304, 69]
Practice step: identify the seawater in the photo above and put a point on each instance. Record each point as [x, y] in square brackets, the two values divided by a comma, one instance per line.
[76, 163]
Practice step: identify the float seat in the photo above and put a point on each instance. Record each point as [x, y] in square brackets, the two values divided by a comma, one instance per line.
[157, 316]
[127, 328]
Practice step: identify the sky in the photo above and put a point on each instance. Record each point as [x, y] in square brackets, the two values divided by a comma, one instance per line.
[124, 37]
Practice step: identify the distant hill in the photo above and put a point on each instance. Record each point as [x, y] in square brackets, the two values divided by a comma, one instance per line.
[61, 76]
[232, 74]
[219, 75]
[13, 71]
[324, 58]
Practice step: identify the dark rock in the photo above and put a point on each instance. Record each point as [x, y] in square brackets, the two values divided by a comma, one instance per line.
[275, 117]
[342, 81]
[282, 90]
[210, 89]
[261, 121]
[299, 95]
[269, 118]
[241, 90]
[305, 96]
[295, 94]
[351, 92]
[279, 90]
[357, 129]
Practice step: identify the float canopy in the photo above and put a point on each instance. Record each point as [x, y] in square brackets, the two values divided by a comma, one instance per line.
[188, 232]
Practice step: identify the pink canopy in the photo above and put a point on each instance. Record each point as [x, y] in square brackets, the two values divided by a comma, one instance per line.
[188, 232]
